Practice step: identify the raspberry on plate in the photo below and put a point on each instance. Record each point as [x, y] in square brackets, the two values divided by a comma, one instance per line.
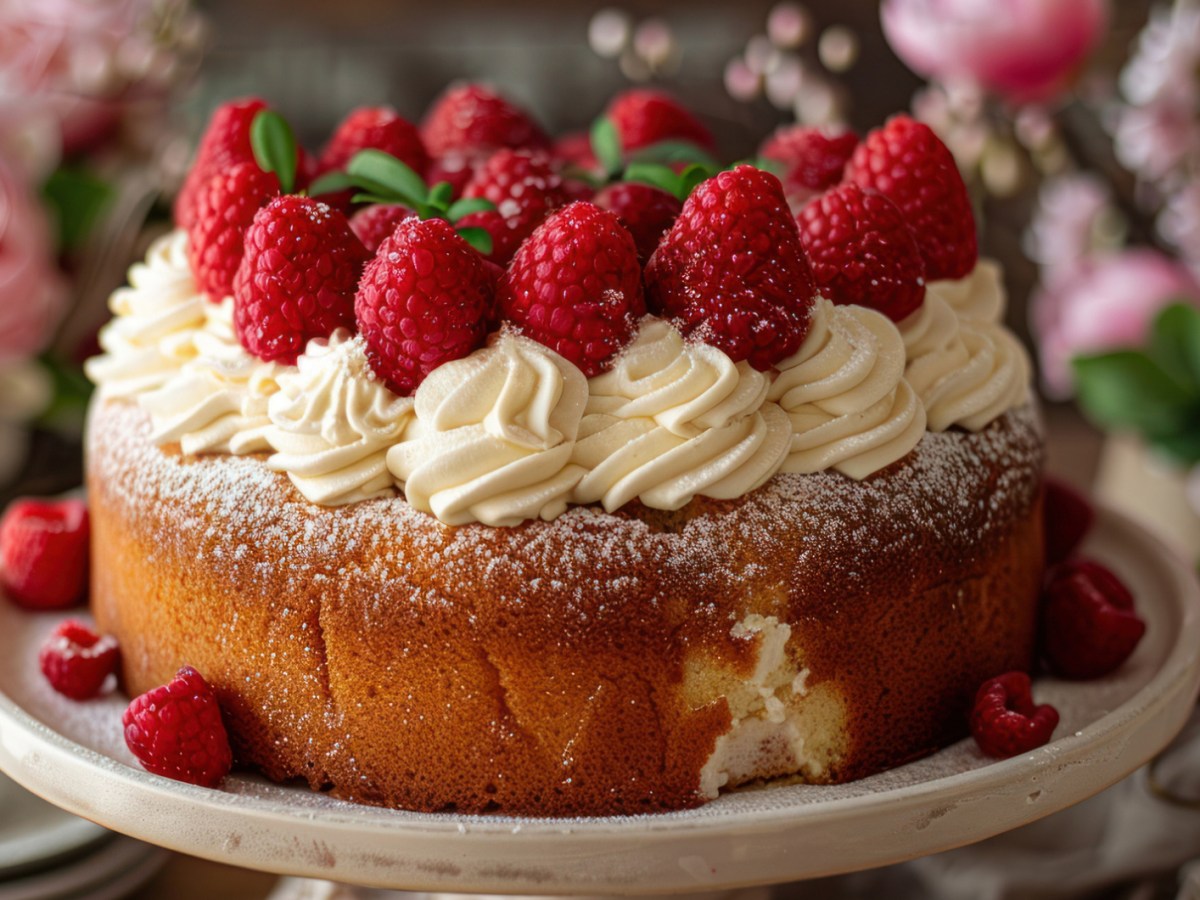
[576, 286]
[297, 277]
[1069, 517]
[1004, 719]
[1089, 625]
[813, 158]
[226, 142]
[224, 210]
[861, 251]
[475, 120]
[176, 731]
[905, 161]
[646, 211]
[524, 187]
[77, 661]
[732, 270]
[44, 552]
[644, 117]
[424, 299]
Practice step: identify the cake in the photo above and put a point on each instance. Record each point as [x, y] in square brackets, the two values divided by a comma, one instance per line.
[563, 576]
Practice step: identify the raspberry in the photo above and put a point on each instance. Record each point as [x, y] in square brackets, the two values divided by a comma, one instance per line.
[1089, 626]
[861, 251]
[226, 142]
[176, 731]
[378, 128]
[1068, 516]
[455, 169]
[1005, 721]
[297, 277]
[224, 210]
[644, 117]
[473, 119]
[576, 286]
[646, 211]
[907, 163]
[372, 224]
[813, 159]
[575, 149]
[423, 300]
[732, 270]
[524, 188]
[77, 661]
[44, 552]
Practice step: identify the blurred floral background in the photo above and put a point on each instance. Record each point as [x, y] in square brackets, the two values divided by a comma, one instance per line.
[1075, 122]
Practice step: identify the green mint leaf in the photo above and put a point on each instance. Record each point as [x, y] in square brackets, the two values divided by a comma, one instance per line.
[655, 175]
[385, 170]
[606, 145]
[579, 173]
[693, 176]
[1128, 389]
[386, 199]
[468, 205]
[274, 147]
[332, 183]
[1175, 343]
[441, 194]
[675, 151]
[479, 238]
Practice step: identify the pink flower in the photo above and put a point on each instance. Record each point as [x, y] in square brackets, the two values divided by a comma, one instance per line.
[1102, 303]
[1024, 50]
[1067, 221]
[31, 289]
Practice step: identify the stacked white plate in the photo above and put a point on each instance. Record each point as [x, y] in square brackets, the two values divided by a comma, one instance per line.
[47, 854]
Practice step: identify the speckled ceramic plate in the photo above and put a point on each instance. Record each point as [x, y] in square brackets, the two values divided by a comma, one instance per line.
[73, 755]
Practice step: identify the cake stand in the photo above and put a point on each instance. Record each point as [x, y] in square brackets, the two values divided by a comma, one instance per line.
[73, 755]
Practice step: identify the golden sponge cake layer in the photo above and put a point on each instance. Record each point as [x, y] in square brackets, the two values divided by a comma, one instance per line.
[596, 664]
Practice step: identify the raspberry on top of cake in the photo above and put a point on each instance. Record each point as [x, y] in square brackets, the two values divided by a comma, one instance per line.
[555, 335]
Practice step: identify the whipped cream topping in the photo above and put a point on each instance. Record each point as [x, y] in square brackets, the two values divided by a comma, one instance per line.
[217, 402]
[673, 419]
[845, 395]
[979, 296]
[333, 421]
[966, 372]
[493, 435]
[155, 319]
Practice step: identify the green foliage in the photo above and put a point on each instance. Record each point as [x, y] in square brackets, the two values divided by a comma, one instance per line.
[1154, 391]
[275, 148]
[78, 199]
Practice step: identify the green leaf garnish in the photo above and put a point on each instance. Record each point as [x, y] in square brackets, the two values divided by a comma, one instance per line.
[1175, 342]
[468, 205]
[274, 147]
[477, 238]
[677, 184]
[675, 151]
[332, 183]
[384, 170]
[606, 145]
[441, 194]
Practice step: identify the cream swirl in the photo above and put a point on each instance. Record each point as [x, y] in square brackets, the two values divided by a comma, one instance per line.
[845, 394]
[156, 317]
[979, 297]
[217, 402]
[493, 435]
[332, 422]
[994, 379]
[674, 419]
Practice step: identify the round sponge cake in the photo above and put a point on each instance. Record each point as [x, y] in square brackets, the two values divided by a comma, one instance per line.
[599, 663]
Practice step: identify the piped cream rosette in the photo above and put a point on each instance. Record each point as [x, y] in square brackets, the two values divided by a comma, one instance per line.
[673, 419]
[333, 421]
[978, 297]
[493, 435]
[217, 402]
[155, 320]
[845, 394]
[967, 372]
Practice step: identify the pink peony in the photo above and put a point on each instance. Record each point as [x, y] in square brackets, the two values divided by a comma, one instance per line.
[31, 289]
[1024, 50]
[1102, 303]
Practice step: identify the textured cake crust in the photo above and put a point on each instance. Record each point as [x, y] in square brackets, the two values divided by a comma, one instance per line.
[584, 666]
